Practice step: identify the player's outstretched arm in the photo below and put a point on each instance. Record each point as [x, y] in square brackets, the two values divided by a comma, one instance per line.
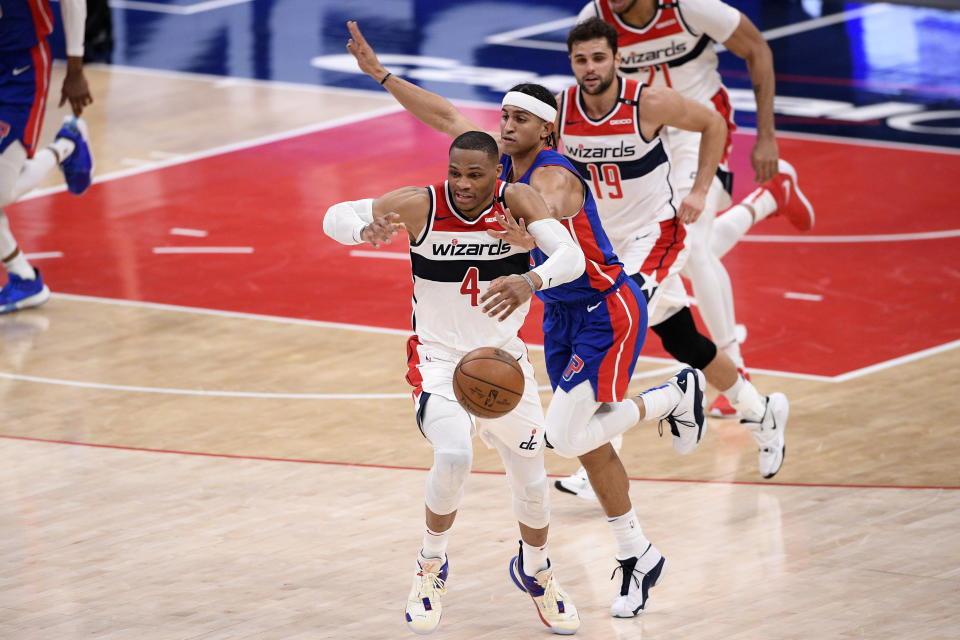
[433, 110]
[378, 221]
[75, 88]
[565, 260]
[747, 42]
[662, 106]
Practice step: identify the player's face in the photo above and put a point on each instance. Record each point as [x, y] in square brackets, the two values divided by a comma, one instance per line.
[520, 130]
[472, 176]
[594, 65]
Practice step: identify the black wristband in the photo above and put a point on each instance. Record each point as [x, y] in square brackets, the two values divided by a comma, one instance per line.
[385, 78]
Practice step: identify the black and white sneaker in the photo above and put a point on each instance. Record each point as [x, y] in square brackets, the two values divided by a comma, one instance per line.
[635, 584]
[769, 434]
[687, 422]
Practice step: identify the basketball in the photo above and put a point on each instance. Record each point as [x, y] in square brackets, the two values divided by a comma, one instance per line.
[488, 382]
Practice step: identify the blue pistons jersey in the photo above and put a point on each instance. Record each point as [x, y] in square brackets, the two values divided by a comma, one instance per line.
[603, 270]
[594, 326]
[24, 23]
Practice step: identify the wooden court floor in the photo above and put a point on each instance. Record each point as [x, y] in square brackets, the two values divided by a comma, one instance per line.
[173, 473]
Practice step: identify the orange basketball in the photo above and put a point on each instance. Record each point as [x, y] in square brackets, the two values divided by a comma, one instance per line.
[488, 382]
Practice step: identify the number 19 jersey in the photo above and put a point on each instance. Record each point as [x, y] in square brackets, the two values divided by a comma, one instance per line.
[628, 174]
[454, 261]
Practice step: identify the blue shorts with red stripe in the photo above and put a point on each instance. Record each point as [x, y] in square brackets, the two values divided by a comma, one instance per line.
[597, 340]
[24, 80]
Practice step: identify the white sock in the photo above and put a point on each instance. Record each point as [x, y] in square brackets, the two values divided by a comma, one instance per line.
[630, 539]
[763, 203]
[8, 246]
[660, 401]
[434, 543]
[746, 399]
[63, 147]
[534, 558]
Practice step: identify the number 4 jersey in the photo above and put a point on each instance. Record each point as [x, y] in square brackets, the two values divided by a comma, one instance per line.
[454, 261]
[628, 174]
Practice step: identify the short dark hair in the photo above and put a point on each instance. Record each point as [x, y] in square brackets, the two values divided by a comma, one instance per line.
[477, 141]
[538, 91]
[591, 30]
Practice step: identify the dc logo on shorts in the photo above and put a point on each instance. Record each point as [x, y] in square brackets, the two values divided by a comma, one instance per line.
[575, 366]
[4, 126]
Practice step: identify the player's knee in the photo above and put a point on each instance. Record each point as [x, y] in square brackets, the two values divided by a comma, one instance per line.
[565, 442]
[447, 478]
[683, 341]
[531, 503]
[11, 162]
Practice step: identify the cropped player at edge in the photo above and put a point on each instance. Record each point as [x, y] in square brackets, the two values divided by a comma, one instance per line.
[25, 65]
[461, 303]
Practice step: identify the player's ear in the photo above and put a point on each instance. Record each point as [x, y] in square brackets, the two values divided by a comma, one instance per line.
[499, 169]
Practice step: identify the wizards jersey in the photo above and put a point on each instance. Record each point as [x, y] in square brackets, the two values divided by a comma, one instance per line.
[24, 23]
[675, 48]
[629, 174]
[454, 260]
[603, 270]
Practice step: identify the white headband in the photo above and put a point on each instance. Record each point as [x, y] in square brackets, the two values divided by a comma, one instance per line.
[531, 104]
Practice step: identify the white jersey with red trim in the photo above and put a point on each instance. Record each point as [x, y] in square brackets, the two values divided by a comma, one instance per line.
[628, 174]
[453, 262]
[675, 48]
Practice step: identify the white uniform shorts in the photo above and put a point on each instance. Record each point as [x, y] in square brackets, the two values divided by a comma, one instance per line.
[430, 371]
[658, 253]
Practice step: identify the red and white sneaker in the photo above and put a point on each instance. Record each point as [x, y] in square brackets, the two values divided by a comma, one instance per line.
[791, 203]
[721, 407]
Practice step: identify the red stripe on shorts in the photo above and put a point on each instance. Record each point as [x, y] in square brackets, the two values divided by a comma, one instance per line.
[614, 373]
[41, 68]
[413, 377]
[665, 251]
[722, 103]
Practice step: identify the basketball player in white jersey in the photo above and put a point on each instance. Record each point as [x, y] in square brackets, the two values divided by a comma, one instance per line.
[594, 326]
[472, 289]
[670, 43]
[610, 129]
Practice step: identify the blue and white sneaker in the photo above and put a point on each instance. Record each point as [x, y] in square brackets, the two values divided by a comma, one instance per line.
[78, 166]
[686, 420]
[20, 293]
[635, 584]
[423, 605]
[554, 606]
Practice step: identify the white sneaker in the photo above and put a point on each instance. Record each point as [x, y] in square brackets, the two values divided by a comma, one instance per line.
[687, 423]
[554, 606]
[578, 484]
[423, 605]
[769, 434]
[635, 584]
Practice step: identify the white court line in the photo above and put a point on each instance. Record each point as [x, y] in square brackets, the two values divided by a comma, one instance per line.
[889, 237]
[204, 392]
[224, 149]
[889, 364]
[390, 255]
[813, 297]
[669, 363]
[193, 233]
[42, 255]
[169, 250]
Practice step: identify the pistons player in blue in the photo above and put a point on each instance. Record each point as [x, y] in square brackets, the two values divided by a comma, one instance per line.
[25, 66]
[593, 326]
